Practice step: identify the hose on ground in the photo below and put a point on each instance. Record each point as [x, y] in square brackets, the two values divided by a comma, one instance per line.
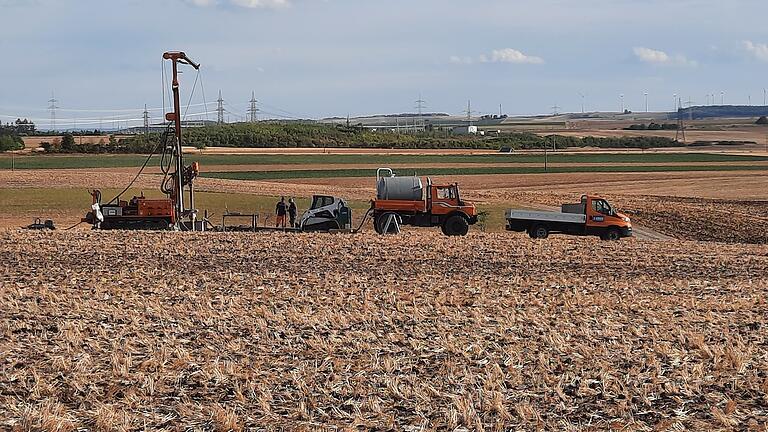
[362, 222]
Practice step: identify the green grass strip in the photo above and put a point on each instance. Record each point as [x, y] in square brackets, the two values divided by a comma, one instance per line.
[296, 174]
[113, 161]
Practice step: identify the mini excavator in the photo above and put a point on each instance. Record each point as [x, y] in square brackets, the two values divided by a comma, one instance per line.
[174, 212]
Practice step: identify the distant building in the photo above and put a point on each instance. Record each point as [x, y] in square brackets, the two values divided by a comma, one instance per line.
[464, 130]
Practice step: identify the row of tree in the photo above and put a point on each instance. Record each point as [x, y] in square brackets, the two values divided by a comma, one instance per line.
[20, 127]
[291, 135]
[10, 138]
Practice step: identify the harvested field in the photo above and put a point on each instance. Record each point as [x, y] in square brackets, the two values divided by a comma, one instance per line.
[688, 206]
[118, 331]
[696, 219]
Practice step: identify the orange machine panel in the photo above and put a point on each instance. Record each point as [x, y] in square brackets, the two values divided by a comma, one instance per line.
[400, 206]
[156, 208]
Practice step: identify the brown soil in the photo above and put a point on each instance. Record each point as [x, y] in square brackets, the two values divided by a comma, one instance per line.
[127, 331]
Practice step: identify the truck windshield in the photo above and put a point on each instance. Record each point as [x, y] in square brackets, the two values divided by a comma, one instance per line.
[446, 193]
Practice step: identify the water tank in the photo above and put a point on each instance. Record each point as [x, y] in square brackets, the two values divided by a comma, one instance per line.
[400, 188]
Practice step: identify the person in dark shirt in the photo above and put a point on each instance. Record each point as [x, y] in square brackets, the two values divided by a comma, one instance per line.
[280, 210]
[292, 210]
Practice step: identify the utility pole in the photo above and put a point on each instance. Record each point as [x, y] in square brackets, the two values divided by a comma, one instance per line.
[52, 107]
[469, 112]
[220, 110]
[146, 123]
[420, 105]
[252, 109]
[680, 122]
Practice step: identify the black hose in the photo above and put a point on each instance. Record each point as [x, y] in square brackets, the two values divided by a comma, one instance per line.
[362, 222]
[73, 226]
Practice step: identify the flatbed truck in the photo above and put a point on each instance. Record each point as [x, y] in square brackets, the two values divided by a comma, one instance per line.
[593, 216]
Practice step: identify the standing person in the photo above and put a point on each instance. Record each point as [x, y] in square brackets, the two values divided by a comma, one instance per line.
[280, 210]
[292, 210]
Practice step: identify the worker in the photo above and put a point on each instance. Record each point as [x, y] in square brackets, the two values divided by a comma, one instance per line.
[280, 210]
[292, 211]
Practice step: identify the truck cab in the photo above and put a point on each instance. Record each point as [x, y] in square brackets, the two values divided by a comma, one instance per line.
[445, 199]
[603, 220]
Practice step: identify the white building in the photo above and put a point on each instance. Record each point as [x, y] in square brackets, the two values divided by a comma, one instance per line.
[465, 130]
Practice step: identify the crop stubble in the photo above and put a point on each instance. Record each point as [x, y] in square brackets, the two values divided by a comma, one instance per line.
[224, 331]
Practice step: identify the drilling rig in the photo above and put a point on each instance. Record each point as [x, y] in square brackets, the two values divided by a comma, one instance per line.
[177, 211]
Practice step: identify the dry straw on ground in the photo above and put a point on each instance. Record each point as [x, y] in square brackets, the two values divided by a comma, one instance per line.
[165, 331]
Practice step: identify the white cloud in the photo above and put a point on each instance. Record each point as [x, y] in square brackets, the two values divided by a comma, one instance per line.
[758, 50]
[658, 57]
[461, 60]
[506, 55]
[250, 4]
[509, 55]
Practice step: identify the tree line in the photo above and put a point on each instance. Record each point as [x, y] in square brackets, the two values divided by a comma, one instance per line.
[10, 134]
[304, 135]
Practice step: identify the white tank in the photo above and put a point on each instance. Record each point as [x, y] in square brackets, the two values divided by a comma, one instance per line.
[400, 188]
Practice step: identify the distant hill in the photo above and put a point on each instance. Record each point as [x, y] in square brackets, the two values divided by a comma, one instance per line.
[723, 111]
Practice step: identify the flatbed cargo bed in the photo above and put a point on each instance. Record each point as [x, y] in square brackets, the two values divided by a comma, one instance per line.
[545, 216]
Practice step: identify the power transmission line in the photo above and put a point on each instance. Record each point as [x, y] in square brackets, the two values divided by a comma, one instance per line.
[53, 107]
[252, 109]
[220, 110]
[420, 105]
[146, 121]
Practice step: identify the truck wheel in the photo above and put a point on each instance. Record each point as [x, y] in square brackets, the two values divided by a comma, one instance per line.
[540, 232]
[455, 226]
[381, 222]
[611, 235]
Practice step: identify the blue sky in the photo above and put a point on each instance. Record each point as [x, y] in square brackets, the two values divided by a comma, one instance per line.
[319, 58]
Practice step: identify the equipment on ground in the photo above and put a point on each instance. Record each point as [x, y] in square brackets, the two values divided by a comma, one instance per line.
[327, 213]
[405, 201]
[38, 224]
[593, 216]
[174, 212]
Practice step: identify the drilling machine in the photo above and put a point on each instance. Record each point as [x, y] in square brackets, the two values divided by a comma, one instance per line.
[175, 211]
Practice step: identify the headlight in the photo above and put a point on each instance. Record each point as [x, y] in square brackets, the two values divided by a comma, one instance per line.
[626, 219]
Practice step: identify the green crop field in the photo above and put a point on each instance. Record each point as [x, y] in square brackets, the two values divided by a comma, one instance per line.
[112, 161]
[340, 173]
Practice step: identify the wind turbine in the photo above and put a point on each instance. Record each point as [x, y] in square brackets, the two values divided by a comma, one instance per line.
[582, 101]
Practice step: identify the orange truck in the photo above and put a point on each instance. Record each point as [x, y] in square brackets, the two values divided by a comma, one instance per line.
[592, 216]
[405, 201]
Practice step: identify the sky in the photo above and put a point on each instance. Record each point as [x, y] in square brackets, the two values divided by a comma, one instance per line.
[320, 58]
